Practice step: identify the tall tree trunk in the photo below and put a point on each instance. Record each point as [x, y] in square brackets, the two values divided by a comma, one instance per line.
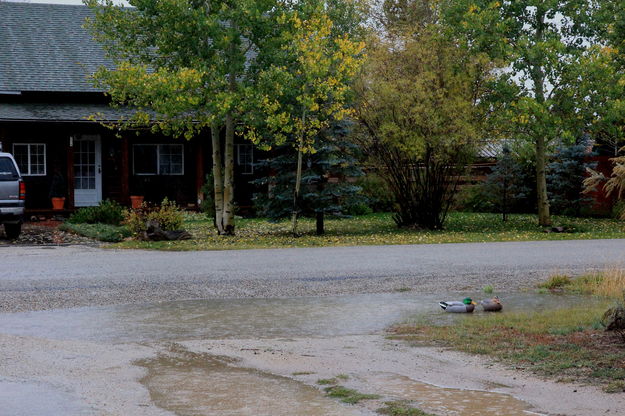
[504, 205]
[218, 180]
[320, 223]
[228, 200]
[544, 219]
[228, 213]
[298, 176]
[538, 77]
[298, 181]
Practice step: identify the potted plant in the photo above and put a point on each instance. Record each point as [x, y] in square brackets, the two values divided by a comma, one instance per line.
[58, 190]
[136, 201]
[137, 196]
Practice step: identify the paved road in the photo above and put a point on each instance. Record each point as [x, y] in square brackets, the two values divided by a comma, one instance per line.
[67, 276]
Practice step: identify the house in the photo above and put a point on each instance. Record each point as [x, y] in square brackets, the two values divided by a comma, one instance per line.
[46, 58]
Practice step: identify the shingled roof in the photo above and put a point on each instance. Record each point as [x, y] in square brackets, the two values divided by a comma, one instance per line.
[72, 112]
[43, 47]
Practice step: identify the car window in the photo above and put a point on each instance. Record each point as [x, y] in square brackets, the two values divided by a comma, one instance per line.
[7, 170]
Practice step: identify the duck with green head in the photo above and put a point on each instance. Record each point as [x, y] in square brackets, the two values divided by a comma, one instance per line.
[466, 306]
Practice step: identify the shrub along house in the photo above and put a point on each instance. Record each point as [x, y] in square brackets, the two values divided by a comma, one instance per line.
[46, 58]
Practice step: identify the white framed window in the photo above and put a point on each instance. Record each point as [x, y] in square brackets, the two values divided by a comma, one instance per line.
[30, 158]
[158, 159]
[245, 158]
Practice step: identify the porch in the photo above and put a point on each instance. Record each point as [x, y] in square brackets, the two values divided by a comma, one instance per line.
[86, 163]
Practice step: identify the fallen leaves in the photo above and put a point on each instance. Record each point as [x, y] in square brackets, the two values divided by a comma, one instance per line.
[379, 229]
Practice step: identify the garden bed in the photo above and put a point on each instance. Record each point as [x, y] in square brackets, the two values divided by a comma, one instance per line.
[45, 234]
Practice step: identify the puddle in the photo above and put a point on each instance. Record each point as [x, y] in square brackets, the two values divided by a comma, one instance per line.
[25, 398]
[252, 318]
[195, 384]
[199, 385]
[448, 401]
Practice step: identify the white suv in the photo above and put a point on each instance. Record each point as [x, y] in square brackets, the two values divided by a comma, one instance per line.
[12, 196]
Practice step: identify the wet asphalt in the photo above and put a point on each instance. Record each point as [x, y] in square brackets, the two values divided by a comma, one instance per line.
[51, 277]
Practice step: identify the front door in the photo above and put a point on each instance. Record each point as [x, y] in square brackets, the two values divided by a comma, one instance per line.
[87, 171]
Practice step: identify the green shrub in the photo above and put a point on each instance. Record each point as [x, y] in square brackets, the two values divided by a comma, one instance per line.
[167, 214]
[359, 209]
[618, 210]
[473, 198]
[375, 189]
[107, 212]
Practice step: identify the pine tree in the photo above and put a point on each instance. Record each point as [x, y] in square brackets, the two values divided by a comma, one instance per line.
[505, 185]
[566, 178]
[327, 178]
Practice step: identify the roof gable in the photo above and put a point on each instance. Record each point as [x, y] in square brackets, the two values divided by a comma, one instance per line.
[43, 47]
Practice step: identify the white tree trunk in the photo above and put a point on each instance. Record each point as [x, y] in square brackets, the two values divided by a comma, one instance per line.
[228, 195]
[298, 176]
[218, 179]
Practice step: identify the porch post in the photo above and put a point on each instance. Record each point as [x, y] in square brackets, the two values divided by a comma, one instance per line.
[70, 173]
[199, 170]
[125, 172]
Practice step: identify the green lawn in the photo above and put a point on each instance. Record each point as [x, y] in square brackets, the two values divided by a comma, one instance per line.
[566, 345]
[379, 229]
[102, 232]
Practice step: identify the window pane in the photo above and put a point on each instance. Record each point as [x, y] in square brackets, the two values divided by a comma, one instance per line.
[144, 159]
[164, 161]
[170, 159]
[7, 169]
[245, 158]
[20, 153]
[31, 158]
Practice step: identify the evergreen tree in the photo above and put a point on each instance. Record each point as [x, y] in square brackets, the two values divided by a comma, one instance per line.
[566, 178]
[327, 178]
[505, 185]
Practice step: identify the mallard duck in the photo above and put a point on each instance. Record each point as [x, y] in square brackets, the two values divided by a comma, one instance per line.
[466, 306]
[491, 305]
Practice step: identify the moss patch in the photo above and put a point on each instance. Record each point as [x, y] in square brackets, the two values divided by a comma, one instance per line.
[348, 396]
[401, 408]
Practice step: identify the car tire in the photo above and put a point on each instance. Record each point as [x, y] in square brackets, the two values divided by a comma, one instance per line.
[12, 230]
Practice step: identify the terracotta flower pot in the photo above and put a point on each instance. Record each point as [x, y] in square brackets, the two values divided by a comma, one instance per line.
[136, 201]
[58, 203]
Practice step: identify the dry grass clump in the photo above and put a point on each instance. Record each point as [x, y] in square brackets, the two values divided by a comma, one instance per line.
[612, 284]
[556, 281]
[609, 283]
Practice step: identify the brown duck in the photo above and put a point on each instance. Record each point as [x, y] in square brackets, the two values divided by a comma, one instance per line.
[491, 305]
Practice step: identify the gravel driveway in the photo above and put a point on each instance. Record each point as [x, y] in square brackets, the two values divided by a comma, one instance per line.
[52, 277]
